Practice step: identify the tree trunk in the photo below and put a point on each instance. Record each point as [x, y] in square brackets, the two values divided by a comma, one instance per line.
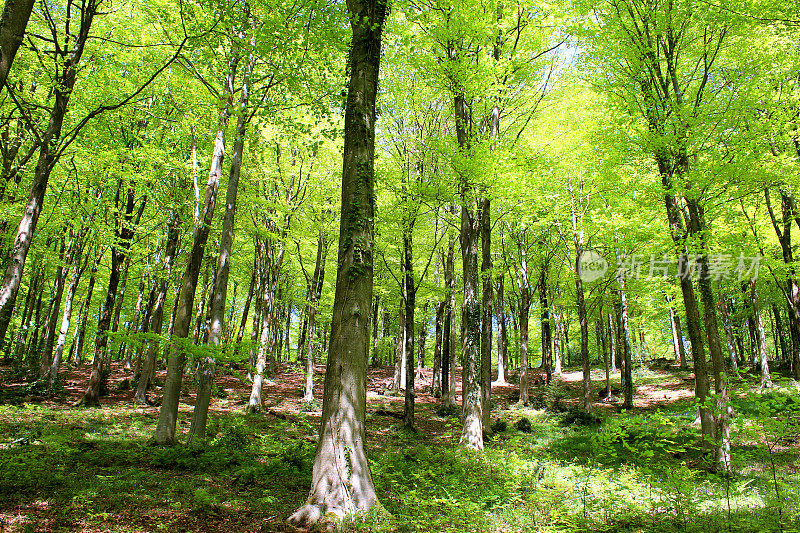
[168, 415]
[448, 343]
[315, 290]
[27, 314]
[523, 309]
[547, 341]
[626, 348]
[502, 334]
[730, 339]
[205, 288]
[779, 333]
[152, 322]
[243, 324]
[134, 326]
[792, 291]
[77, 255]
[423, 337]
[558, 344]
[677, 335]
[12, 29]
[678, 234]
[268, 309]
[399, 377]
[487, 297]
[763, 360]
[119, 301]
[612, 341]
[374, 324]
[124, 234]
[219, 293]
[53, 314]
[80, 336]
[341, 482]
[48, 146]
[410, 301]
[255, 330]
[577, 233]
[698, 228]
[436, 382]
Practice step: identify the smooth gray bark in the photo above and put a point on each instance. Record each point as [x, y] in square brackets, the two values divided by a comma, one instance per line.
[341, 482]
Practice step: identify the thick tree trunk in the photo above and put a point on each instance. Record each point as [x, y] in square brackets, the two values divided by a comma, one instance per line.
[698, 228]
[678, 234]
[12, 29]
[471, 374]
[341, 482]
[168, 415]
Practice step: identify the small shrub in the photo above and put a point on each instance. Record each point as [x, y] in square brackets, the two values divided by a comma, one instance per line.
[578, 417]
[203, 500]
[523, 425]
[499, 426]
[447, 411]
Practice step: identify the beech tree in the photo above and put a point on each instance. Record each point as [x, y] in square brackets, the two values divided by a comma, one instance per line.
[341, 483]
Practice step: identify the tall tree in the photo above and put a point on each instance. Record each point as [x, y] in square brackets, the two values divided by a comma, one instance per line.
[168, 415]
[341, 482]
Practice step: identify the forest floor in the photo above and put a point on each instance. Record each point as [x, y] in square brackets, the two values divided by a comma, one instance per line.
[547, 467]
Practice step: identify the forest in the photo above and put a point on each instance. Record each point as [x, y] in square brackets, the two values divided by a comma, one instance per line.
[409, 266]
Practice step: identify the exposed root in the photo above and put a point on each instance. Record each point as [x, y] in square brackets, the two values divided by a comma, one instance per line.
[306, 516]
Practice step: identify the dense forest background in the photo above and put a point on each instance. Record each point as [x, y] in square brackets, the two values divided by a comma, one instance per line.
[320, 244]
